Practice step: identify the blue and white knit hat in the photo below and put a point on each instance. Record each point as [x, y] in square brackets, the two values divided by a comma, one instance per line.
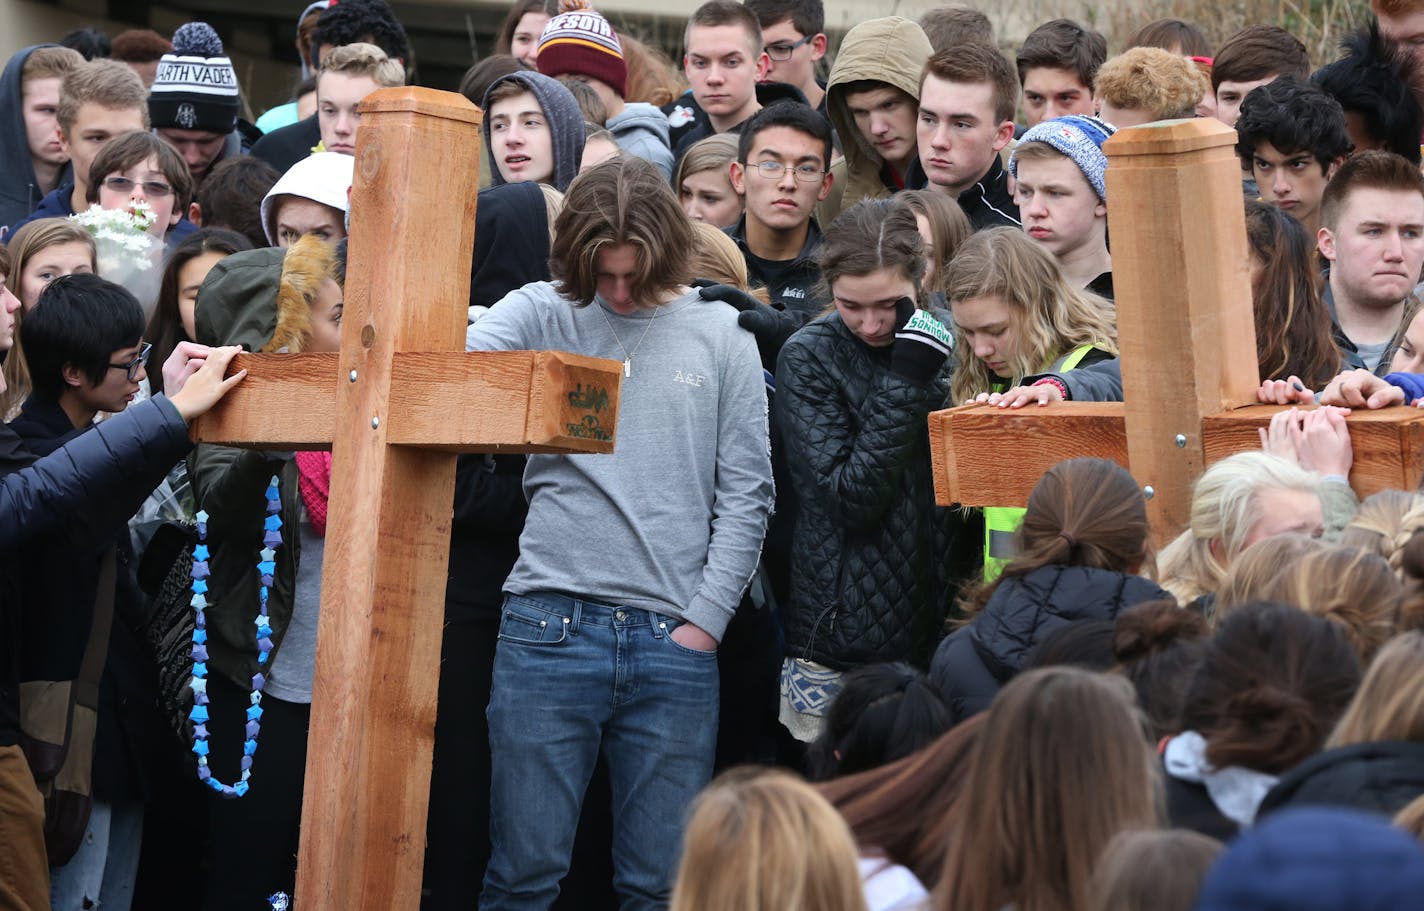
[1079, 138]
[196, 87]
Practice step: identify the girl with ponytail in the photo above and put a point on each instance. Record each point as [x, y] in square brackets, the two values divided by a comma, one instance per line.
[1083, 541]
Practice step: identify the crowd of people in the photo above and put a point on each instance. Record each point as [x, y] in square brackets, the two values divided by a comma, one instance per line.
[745, 661]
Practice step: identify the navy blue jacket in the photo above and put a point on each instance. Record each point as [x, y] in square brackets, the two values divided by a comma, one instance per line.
[89, 487]
[976, 660]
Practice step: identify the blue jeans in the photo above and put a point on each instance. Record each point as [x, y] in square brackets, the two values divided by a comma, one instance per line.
[103, 871]
[571, 678]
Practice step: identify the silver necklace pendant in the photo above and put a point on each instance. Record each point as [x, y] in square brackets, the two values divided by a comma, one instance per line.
[627, 367]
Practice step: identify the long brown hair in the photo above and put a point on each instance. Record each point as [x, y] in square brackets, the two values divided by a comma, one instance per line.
[949, 228]
[904, 810]
[1049, 316]
[1292, 324]
[1082, 512]
[624, 200]
[1061, 767]
[1390, 702]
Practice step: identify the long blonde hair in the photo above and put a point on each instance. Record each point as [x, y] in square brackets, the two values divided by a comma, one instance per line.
[25, 245]
[1048, 316]
[766, 841]
[1063, 765]
[1225, 506]
[1389, 705]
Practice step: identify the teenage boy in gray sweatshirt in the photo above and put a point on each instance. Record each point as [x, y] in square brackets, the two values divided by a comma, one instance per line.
[630, 564]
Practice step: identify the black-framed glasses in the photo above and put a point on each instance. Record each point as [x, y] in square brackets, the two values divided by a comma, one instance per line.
[782, 51]
[131, 368]
[154, 189]
[772, 170]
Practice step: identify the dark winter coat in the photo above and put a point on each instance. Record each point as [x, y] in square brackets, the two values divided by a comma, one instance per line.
[285, 147]
[1379, 777]
[511, 250]
[798, 288]
[870, 567]
[88, 488]
[60, 584]
[976, 660]
[688, 123]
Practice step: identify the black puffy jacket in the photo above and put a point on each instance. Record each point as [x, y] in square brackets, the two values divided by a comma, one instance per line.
[870, 549]
[1378, 777]
[976, 660]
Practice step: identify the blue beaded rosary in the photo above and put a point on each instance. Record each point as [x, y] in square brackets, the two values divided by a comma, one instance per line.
[266, 566]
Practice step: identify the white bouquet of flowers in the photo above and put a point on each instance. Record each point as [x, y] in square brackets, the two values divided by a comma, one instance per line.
[127, 253]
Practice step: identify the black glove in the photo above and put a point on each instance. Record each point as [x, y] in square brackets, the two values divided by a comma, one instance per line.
[921, 345]
[772, 327]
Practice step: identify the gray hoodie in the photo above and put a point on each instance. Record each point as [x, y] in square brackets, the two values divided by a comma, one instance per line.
[561, 111]
[642, 130]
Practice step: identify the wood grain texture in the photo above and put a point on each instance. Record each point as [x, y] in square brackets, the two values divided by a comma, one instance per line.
[286, 402]
[1185, 325]
[504, 401]
[1388, 444]
[993, 457]
[385, 566]
[573, 401]
[968, 446]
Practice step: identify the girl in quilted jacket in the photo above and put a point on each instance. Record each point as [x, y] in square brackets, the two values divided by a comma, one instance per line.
[869, 548]
[1083, 540]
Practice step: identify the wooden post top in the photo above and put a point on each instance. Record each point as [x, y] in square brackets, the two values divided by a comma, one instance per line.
[415, 99]
[1169, 137]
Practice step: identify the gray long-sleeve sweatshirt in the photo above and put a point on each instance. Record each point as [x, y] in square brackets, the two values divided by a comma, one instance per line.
[673, 520]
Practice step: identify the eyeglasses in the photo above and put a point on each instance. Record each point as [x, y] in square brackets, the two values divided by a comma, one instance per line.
[783, 51]
[131, 368]
[153, 189]
[772, 170]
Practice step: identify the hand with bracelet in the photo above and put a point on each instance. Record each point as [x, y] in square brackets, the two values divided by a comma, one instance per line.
[1046, 391]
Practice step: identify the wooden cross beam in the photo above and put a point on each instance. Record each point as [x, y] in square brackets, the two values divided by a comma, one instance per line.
[394, 406]
[1187, 335]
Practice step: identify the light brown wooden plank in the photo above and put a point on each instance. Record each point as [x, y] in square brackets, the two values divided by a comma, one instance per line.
[998, 454]
[969, 446]
[287, 401]
[1185, 324]
[504, 401]
[1388, 444]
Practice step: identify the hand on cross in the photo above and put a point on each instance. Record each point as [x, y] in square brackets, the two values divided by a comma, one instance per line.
[193, 377]
[1317, 440]
[1285, 392]
[1361, 389]
[1043, 393]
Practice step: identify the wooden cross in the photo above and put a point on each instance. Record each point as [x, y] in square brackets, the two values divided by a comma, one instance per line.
[395, 406]
[1188, 341]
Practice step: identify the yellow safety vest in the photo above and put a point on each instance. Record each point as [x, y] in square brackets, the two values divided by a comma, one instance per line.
[1001, 523]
